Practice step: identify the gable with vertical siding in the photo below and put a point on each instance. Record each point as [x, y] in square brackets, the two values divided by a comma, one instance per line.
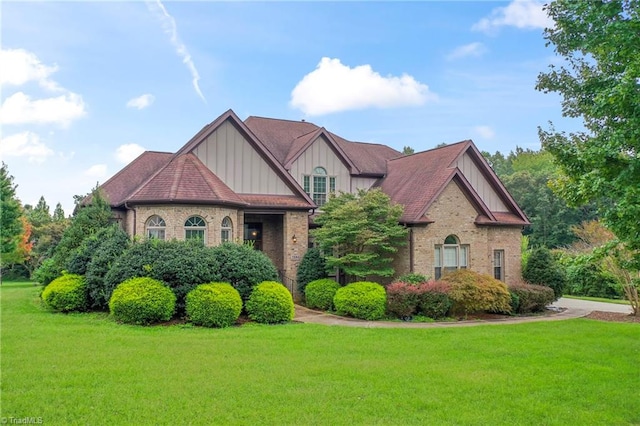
[236, 162]
[320, 154]
[480, 183]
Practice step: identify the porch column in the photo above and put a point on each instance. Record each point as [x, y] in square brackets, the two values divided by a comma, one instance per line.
[295, 242]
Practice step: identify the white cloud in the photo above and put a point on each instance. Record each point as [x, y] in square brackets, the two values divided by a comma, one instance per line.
[128, 152]
[19, 108]
[472, 49]
[170, 28]
[334, 87]
[141, 101]
[523, 14]
[25, 144]
[20, 66]
[484, 132]
[96, 171]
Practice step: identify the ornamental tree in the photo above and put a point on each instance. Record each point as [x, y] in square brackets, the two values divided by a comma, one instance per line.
[600, 83]
[359, 233]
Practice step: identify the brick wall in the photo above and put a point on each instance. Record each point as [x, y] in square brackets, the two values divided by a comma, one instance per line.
[176, 215]
[453, 214]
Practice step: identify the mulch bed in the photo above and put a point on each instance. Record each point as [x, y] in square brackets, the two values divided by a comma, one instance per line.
[613, 316]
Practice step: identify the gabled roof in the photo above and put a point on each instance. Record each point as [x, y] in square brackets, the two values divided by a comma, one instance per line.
[288, 139]
[417, 180]
[120, 186]
[185, 180]
[255, 142]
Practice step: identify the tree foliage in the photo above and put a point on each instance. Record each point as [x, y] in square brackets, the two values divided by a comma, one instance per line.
[11, 228]
[599, 83]
[360, 233]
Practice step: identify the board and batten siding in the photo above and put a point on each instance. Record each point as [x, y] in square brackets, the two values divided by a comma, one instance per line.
[472, 173]
[320, 154]
[362, 183]
[234, 160]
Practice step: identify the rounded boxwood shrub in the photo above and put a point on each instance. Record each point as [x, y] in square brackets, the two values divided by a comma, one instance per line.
[319, 293]
[142, 301]
[213, 305]
[66, 293]
[364, 300]
[270, 303]
[473, 292]
[243, 267]
[181, 265]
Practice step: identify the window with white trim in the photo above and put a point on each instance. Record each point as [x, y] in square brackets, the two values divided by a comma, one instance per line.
[194, 228]
[155, 227]
[226, 232]
[319, 185]
[498, 264]
[450, 256]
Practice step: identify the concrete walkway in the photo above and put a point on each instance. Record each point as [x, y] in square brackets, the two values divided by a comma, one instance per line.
[566, 309]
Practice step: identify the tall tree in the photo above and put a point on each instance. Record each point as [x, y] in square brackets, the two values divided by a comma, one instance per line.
[10, 212]
[58, 213]
[360, 233]
[600, 83]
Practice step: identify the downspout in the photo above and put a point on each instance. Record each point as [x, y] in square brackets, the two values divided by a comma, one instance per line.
[135, 219]
[411, 250]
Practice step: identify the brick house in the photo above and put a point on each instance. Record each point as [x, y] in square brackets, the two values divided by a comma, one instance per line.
[261, 180]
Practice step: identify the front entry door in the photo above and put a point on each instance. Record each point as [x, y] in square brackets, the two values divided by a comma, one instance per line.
[253, 234]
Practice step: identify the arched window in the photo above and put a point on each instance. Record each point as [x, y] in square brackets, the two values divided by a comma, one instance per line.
[226, 233]
[316, 185]
[451, 256]
[155, 227]
[194, 228]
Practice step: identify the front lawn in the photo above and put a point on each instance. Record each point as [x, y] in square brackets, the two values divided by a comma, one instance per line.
[86, 369]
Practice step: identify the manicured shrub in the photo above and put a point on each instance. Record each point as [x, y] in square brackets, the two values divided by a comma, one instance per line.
[531, 298]
[213, 305]
[243, 267]
[66, 293]
[270, 303]
[364, 300]
[434, 301]
[113, 242]
[181, 265]
[472, 292]
[542, 269]
[142, 301]
[313, 266]
[413, 278]
[319, 293]
[402, 299]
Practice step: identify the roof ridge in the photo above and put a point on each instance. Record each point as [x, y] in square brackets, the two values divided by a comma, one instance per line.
[281, 119]
[431, 150]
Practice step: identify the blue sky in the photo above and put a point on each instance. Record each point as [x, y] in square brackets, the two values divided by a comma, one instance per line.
[87, 86]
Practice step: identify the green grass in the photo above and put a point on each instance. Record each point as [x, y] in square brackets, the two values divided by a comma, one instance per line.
[598, 299]
[86, 369]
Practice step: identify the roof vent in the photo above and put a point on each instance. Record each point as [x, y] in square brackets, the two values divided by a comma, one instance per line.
[303, 120]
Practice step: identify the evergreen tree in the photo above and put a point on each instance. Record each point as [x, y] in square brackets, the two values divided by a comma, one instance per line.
[11, 227]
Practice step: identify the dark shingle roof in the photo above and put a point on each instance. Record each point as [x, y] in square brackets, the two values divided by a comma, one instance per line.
[287, 139]
[185, 179]
[120, 186]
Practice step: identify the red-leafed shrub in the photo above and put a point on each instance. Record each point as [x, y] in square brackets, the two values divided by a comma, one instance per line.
[402, 299]
[434, 301]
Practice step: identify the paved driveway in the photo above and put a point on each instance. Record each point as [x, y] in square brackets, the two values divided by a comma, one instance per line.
[589, 306]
